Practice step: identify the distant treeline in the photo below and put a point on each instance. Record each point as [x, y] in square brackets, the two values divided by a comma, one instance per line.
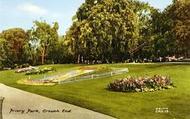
[103, 31]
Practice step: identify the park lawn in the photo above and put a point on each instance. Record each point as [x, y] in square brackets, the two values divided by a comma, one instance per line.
[92, 94]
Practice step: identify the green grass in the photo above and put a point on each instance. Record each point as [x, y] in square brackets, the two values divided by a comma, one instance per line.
[92, 94]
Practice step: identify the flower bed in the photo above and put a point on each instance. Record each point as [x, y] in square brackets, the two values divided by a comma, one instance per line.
[40, 71]
[141, 84]
[26, 69]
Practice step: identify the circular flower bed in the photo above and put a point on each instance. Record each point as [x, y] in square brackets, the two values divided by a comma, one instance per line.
[141, 84]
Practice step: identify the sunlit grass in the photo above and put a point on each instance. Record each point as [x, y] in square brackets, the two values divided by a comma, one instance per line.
[92, 94]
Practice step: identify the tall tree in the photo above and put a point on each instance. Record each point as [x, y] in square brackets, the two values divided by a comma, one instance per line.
[104, 30]
[14, 41]
[45, 37]
[179, 13]
[143, 12]
[2, 52]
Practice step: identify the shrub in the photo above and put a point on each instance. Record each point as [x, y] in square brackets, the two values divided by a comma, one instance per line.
[141, 84]
[16, 66]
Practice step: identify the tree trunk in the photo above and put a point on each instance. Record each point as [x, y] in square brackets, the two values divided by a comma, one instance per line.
[43, 56]
[78, 59]
[188, 53]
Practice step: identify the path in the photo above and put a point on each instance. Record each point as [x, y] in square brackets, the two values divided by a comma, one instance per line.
[18, 101]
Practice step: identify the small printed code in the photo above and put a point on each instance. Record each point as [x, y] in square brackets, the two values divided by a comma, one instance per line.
[161, 110]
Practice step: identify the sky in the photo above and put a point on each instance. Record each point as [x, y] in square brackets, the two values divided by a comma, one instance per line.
[22, 13]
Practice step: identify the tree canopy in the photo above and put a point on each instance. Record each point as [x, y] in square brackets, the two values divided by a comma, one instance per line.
[45, 37]
[12, 45]
[179, 13]
[103, 31]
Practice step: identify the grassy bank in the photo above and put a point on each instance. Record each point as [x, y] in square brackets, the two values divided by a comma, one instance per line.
[92, 94]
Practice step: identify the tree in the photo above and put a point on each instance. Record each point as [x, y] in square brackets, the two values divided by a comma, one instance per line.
[144, 36]
[45, 37]
[13, 42]
[104, 30]
[60, 53]
[179, 13]
[2, 52]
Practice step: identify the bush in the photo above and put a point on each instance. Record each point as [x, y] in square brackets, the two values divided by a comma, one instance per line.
[16, 66]
[141, 84]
